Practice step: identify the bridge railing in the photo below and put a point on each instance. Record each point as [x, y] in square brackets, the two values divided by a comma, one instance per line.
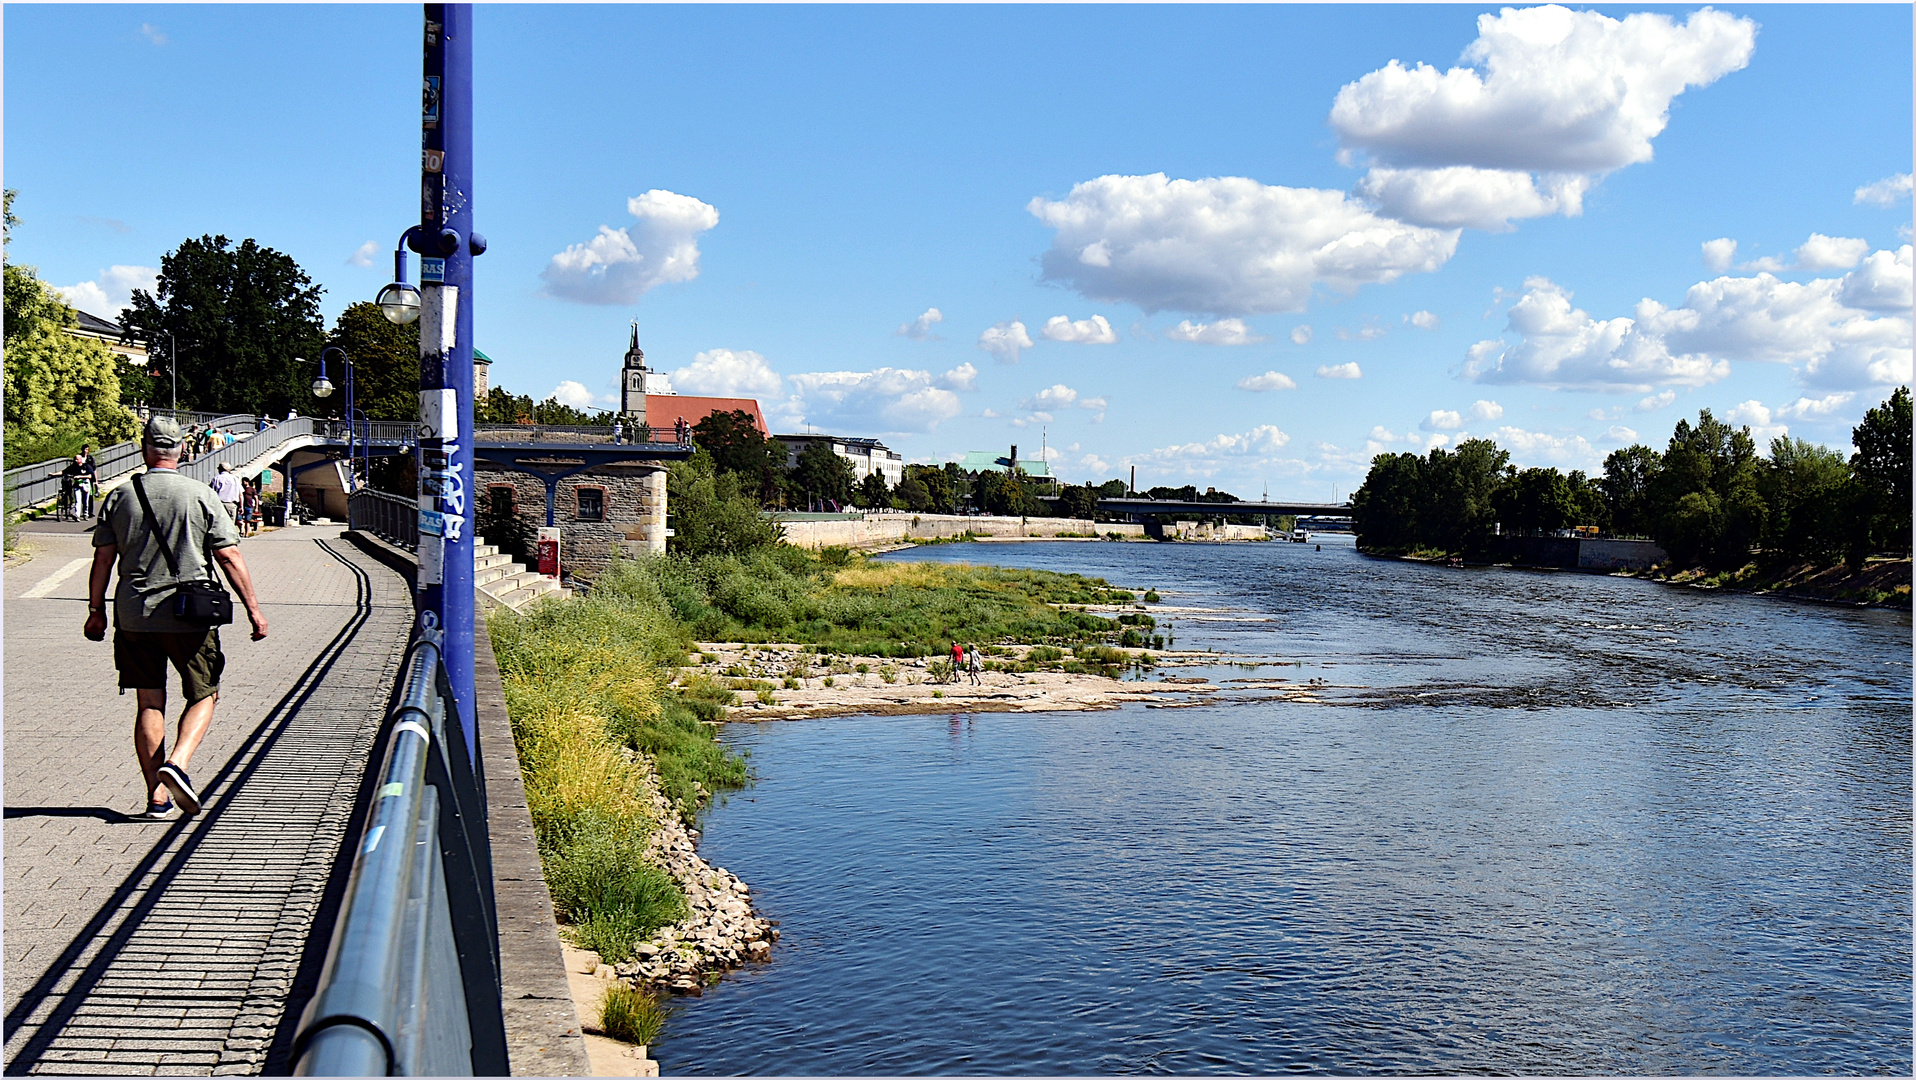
[31, 485]
[410, 986]
[390, 517]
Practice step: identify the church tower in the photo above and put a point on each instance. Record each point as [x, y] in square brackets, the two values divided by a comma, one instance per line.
[633, 389]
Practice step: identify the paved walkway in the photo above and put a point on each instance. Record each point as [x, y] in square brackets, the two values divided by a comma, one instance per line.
[136, 947]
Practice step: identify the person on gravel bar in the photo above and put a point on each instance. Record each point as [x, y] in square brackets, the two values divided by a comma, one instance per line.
[174, 538]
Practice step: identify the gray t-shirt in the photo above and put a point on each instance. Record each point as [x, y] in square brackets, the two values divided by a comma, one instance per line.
[189, 518]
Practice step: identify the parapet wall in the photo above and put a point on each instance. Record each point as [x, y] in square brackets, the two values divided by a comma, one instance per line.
[881, 530]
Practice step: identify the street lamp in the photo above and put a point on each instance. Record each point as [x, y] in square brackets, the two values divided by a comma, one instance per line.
[173, 364]
[399, 301]
[323, 387]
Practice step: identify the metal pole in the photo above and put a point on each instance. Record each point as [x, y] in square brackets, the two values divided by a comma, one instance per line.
[173, 364]
[447, 243]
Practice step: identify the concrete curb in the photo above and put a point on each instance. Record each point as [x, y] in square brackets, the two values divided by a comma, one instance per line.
[542, 1026]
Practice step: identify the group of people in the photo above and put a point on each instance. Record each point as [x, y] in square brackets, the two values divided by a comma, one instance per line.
[964, 661]
[204, 440]
[77, 485]
[240, 497]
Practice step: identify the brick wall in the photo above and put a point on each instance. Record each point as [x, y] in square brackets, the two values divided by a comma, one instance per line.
[633, 498]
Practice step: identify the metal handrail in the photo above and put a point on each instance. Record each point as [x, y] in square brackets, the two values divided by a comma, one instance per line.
[206, 466]
[410, 986]
[31, 485]
[392, 518]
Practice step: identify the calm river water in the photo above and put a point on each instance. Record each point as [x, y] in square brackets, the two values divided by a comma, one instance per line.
[1554, 823]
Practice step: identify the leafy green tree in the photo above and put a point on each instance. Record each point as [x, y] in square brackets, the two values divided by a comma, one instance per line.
[1078, 502]
[820, 474]
[1629, 475]
[1718, 464]
[711, 513]
[1007, 495]
[873, 494]
[737, 446]
[239, 316]
[1809, 492]
[1882, 466]
[1463, 485]
[1536, 501]
[1113, 489]
[385, 360]
[60, 389]
[913, 492]
[1386, 509]
[1586, 501]
[938, 484]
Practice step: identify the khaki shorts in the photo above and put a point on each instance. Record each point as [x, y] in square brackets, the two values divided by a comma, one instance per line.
[142, 659]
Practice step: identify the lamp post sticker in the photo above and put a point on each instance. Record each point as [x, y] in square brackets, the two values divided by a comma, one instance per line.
[432, 270]
[430, 112]
[439, 414]
[432, 523]
[435, 160]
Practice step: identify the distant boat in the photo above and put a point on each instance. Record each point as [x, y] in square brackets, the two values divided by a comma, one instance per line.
[1300, 537]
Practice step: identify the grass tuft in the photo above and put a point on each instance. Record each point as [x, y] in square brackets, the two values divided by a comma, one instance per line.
[631, 1015]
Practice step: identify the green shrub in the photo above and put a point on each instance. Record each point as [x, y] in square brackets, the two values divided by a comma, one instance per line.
[631, 1015]
[613, 898]
[1151, 596]
[1045, 654]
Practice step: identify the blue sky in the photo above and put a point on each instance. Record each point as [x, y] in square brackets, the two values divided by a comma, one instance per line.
[1236, 246]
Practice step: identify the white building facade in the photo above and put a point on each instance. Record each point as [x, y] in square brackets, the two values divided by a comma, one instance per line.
[867, 456]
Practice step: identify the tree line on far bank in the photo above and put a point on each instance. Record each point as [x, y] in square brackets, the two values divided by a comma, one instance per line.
[1707, 499]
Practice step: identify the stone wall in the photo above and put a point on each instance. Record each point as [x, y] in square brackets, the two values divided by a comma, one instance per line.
[881, 530]
[634, 511]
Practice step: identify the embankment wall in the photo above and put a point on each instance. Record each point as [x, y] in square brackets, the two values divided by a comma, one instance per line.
[880, 530]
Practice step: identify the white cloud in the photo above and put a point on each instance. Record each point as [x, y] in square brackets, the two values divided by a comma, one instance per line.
[1555, 99]
[1486, 410]
[573, 394]
[1423, 320]
[1459, 196]
[153, 33]
[1442, 420]
[1255, 448]
[1005, 340]
[1301, 335]
[1222, 332]
[1882, 283]
[920, 328]
[1758, 419]
[962, 377]
[1805, 408]
[1057, 397]
[1340, 371]
[1821, 252]
[107, 295]
[728, 373]
[363, 255]
[1092, 331]
[1718, 254]
[1270, 380]
[620, 265]
[867, 403]
[1531, 448]
[1363, 333]
[1620, 434]
[1656, 401]
[1888, 191]
[1225, 245]
[1810, 326]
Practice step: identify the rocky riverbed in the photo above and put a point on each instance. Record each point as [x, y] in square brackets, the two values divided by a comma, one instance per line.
[720, 929]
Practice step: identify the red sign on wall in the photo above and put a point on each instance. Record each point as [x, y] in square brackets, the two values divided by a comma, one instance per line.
[549, 552]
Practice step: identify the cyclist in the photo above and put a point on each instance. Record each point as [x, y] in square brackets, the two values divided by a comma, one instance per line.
[72, 483]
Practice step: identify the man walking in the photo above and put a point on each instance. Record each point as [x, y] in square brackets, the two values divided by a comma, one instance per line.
[226, 485]
[171, 536]
[92, 469]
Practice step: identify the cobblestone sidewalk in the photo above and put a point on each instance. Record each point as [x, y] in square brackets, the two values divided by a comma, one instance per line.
[171, 947]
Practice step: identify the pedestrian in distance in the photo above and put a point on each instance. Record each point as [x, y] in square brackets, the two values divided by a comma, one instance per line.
[92, 477]
[226, 485]
[163, 532]
[957, 661]
[72, 486]
[618, 432]
[971, 665]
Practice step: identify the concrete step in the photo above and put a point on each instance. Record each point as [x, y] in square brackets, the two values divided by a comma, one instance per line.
[527, 591]
[482, 562]
[483, 549]
[486, 575]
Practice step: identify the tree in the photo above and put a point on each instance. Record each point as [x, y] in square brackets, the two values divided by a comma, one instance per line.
[239, 316]
[1386, 508]
[1078, 502]
[1808, 490]
[1113, 489]
[1882, 464]
[1463, 486]
[1536, 501]
[385, 360]
[711, 515]
[61, 390]
[1005, 494]
[737, 446]
[1718, 464]
[913, 492]
[1628, 476]
[822, 475]
[873, 494]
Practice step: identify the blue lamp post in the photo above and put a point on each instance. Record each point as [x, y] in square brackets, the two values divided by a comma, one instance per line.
[323, 387]
[446, 244]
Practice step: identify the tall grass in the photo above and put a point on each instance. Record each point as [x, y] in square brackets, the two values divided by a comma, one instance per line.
[631, 1014]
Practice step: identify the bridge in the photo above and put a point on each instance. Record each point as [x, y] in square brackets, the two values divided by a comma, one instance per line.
[1146, 507]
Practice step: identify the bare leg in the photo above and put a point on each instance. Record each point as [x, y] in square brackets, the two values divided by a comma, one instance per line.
[149, 740]
[194, 723]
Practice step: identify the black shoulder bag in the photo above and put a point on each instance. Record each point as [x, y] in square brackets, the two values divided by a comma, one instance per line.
[201, 603]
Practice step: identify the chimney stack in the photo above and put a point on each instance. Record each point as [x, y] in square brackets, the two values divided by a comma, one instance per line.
[1014, 458]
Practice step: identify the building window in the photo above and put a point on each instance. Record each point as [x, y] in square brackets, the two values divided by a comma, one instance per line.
[591, 503]
[502, 498]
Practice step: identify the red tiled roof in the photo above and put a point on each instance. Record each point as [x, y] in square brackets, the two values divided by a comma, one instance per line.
[664, 410]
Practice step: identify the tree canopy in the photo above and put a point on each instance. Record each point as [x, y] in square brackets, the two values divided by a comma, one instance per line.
[385, 359]
[239, 316]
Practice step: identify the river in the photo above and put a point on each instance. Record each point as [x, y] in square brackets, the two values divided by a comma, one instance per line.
[1541, 823]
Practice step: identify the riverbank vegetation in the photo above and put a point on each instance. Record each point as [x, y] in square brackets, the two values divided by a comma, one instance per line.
[1708, 499]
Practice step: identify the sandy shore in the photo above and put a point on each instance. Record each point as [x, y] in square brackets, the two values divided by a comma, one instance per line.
[807, 685]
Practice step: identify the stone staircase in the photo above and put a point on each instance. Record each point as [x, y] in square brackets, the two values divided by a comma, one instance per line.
[500, 582]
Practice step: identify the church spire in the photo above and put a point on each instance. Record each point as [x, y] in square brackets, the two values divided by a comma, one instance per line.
[635, 356]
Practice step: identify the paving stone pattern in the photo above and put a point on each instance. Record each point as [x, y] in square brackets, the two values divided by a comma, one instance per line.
[171, 947]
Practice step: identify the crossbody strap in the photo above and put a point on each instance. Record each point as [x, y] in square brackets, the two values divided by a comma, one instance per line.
[153, 526]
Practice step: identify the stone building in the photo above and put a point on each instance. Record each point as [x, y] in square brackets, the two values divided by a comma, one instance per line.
[614, 507]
